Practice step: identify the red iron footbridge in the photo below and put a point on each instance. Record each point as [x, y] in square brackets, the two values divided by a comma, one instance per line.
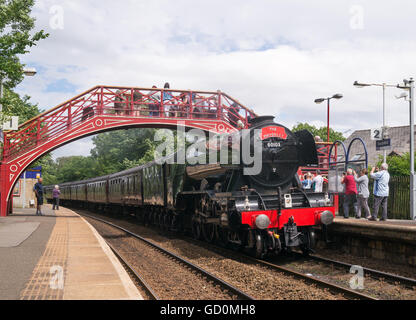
[105, 108]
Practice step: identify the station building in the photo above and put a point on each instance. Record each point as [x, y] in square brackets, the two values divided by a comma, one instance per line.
[400, 144]
[23, 194]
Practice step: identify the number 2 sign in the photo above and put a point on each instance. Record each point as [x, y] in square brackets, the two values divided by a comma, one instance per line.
[377, 134]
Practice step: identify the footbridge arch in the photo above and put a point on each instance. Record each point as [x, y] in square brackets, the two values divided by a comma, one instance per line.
[106, 108]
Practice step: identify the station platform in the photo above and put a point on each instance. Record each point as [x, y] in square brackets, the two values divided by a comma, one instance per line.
[58, 256]
[394, 240]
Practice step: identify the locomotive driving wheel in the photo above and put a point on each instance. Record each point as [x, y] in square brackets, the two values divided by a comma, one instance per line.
[308, 242]
[196, 229]
[256, 244]
[208, 232]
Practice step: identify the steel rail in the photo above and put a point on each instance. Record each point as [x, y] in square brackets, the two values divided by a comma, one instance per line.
[376, 273]
[187, 263]
[311, 279]
[321, 283]
[137, 276]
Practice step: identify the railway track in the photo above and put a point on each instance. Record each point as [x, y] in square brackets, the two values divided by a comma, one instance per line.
[379, 275]
[134, 274]
[374, 273]
[352, 294]
[240, 295]
[319, 282]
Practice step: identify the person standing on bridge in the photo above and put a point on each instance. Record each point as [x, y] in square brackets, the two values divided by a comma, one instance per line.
[55, 194]
[167, 97]
[381, 191]
[154, 107]
[38, 188]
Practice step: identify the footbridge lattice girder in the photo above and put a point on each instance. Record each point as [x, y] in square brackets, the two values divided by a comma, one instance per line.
[105, 108]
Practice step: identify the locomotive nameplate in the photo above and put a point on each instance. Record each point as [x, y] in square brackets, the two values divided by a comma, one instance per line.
[273, 132]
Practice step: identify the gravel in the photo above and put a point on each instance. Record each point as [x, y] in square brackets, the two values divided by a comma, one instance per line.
[254, 279]
[169, 279]
[378, 288]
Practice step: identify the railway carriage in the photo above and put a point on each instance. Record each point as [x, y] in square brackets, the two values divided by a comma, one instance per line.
[263, 213]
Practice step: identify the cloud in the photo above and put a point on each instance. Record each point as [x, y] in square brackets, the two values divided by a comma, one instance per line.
[60, 85]
[275, 57]
[80, 147]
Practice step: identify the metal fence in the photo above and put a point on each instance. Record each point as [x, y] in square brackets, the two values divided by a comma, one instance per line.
[398, 201]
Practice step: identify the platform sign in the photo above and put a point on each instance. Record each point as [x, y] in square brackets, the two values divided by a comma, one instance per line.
[376, 134]
[384, 144]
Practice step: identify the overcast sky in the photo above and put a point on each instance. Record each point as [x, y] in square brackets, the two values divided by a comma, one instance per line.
[274, 56]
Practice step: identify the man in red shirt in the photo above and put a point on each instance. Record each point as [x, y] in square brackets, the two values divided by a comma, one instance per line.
[350, 195]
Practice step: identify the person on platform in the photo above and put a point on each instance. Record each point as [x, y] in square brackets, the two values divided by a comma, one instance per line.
[55, 194]
[307, 181]
[38, 188]
[381, 190]
[363, 193]
[350, 195]
[318, 181]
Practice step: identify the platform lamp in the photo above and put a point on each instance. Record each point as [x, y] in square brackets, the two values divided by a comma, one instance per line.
[409, 85]
[29, 72]
[362, 85]
[320, 100]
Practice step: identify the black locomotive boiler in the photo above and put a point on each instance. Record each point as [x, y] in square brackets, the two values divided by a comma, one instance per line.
[263, 213]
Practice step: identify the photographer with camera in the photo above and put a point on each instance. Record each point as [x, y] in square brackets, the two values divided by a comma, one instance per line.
[381, 190]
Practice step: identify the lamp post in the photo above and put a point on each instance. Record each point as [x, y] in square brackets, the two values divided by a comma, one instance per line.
[362, 85]
[320, 100]
[30, 72]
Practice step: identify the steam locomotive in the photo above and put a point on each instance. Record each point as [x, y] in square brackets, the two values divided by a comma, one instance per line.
[264, 213]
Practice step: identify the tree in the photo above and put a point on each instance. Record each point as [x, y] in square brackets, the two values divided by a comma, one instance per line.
[114, 151]
[16, 28]
[322, 131]
[398, 165]
[19, 106]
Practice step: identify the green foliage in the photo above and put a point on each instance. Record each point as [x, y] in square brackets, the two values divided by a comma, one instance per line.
[15, 105]
[16, 38]
[113, 152]
[119, 150]
[322, 131]
[48, 169]
[398, 165]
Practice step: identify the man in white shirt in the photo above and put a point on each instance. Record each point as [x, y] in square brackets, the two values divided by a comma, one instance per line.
[319, 181]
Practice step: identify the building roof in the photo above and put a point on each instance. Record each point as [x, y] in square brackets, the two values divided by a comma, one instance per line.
[400, 143]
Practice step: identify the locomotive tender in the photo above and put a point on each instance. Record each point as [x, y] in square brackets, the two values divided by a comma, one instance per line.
[263, 213]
